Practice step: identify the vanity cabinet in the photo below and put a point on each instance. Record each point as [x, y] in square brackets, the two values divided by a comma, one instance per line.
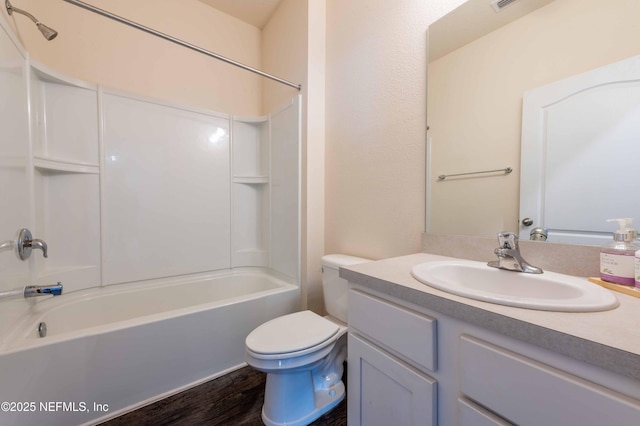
[410, 365]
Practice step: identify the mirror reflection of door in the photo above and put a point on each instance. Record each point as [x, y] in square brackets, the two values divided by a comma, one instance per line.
[475, 98]
[580, 151]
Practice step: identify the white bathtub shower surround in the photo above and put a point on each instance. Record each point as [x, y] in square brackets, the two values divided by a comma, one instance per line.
[124, 188]
[166, 183]
[187, 190]
[124, 346]
[119, 185]
[14, 175]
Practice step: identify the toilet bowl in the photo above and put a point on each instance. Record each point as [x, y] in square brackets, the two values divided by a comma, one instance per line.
[303, 354]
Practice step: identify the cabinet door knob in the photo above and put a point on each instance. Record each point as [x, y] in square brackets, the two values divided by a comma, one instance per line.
[527, 221]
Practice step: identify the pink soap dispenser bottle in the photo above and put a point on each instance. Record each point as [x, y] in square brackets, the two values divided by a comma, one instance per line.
[637, 262]
[618, 257]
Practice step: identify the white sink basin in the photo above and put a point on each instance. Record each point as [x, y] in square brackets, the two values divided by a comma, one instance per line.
[548, 291]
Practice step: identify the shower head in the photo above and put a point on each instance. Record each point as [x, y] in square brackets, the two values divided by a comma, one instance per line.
[48, 33]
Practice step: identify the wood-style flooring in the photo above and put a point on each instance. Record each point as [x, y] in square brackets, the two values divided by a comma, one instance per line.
[234, 399]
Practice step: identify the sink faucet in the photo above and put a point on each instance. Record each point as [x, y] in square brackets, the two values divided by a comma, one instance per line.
[509, 256]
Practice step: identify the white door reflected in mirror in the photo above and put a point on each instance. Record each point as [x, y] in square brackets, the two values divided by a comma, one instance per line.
[580, 150]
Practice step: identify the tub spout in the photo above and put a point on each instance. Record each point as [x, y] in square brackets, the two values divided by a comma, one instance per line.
[43, 290]
[40, 245]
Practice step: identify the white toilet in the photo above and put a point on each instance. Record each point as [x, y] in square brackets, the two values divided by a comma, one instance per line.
[302, 354]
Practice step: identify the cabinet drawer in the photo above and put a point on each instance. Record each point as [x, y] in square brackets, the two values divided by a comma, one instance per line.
[527, 392]
[470, 414]
[408, 334]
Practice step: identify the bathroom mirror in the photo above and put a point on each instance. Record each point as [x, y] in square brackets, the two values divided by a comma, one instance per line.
[481, 62]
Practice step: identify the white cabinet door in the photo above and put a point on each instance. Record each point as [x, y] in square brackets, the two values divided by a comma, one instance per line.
[383, 391]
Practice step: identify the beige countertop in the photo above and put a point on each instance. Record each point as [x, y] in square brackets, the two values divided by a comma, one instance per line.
[608, 339]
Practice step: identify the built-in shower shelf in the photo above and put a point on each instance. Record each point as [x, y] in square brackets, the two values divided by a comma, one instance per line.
[66, 166]
[251, 179]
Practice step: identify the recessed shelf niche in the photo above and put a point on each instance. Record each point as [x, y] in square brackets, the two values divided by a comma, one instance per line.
[66, 177]
[251, 201]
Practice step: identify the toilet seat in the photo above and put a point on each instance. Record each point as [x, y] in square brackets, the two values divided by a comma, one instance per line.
[291, 335]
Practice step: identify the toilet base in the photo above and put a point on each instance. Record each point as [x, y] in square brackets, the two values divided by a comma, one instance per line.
[301, 396]
[305, 408]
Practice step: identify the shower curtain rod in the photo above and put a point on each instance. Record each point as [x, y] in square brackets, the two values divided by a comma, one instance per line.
[180, 42]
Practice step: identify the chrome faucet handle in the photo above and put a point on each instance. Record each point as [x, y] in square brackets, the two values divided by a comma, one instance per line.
[26, 243]
[508, 240]
[509, 256]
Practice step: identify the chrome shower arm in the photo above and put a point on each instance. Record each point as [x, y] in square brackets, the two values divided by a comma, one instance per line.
[11, 9]
[47, 32]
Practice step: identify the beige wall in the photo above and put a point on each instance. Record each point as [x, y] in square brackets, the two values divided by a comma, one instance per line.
[376, 119]
[475, 99]
[314, 155]
[97, 49]
[363, 116]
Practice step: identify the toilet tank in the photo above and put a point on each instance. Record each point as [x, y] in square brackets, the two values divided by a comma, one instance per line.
[335, 289]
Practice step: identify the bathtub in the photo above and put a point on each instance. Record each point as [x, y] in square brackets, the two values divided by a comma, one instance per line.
[110, 350]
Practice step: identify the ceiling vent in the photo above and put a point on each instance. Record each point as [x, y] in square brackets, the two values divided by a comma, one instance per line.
[498, 5]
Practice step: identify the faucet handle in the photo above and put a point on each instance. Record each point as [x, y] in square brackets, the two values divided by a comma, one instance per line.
[508, 240]
[26, 243]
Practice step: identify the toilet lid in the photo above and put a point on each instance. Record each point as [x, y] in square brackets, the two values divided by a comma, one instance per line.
[291, 333]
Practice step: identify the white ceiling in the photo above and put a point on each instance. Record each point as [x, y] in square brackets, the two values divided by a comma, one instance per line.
[254, 12]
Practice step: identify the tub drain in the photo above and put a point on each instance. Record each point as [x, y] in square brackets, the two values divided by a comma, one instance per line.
[42, 329]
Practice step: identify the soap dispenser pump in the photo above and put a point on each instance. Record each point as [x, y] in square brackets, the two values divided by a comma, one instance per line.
[617, 258]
